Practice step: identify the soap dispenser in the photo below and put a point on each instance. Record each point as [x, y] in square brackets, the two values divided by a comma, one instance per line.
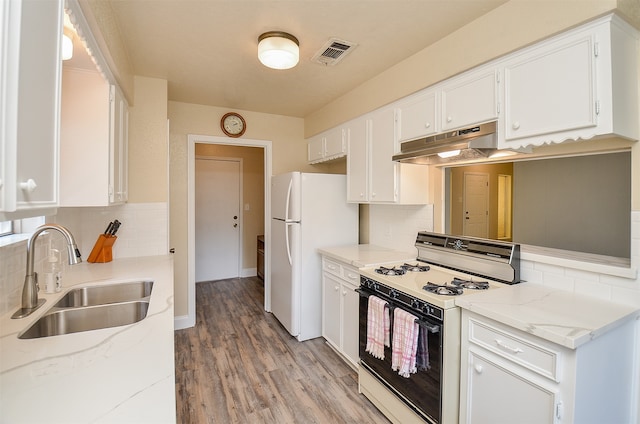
[52, 272]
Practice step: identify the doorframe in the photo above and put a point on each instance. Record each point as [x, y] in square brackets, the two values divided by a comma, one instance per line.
[192, 140]
[240, 162]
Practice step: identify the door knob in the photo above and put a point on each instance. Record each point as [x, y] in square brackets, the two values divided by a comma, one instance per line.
[235, 217]
[235, 225]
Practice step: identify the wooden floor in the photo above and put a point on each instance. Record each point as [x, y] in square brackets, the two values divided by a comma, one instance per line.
[239, 365]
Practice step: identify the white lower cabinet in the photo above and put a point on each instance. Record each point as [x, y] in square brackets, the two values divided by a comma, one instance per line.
[340, 303]
[509, 376]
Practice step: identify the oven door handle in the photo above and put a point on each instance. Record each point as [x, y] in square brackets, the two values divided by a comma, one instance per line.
[363, 293]
[431, 328]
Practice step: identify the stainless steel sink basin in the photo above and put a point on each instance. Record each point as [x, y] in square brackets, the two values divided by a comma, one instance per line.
[101, 295]
[73, 320]
[92, 308]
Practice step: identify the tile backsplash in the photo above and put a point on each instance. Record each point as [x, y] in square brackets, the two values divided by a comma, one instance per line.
[144, 232]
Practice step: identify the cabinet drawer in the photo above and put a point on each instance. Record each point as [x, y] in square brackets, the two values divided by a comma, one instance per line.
[524, 351]
[332, 267]
[351, 274]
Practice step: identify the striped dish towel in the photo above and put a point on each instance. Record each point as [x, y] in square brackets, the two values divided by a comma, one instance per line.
[405, 343]
[377, 327]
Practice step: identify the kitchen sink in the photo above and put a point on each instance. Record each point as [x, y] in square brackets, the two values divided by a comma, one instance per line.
[92, 308]
[101, 295]
[73, 320]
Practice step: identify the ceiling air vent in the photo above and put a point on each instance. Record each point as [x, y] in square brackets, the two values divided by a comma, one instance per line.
[333, 52]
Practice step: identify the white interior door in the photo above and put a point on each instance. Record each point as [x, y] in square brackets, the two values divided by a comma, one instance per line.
[217, 216]
[476, 205]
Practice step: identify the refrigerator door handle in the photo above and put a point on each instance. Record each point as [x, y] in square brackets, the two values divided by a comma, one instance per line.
[286, 209]
[286, 237]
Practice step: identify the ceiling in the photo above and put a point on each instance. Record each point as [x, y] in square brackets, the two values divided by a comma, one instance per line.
[207, 49]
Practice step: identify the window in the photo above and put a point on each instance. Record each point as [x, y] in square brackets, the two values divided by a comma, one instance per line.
[6, 228]
[21, 226]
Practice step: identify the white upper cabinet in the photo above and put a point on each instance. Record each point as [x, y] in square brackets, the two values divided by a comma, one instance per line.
[30, 74]
[358, 161]
[329, 145]
[372, 177]
[382, 172]
[93, 140]
[416, 116]
[469, 99]
[577, 85]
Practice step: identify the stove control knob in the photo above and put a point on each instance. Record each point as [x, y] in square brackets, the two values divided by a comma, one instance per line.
[393, 294]
[415, 304]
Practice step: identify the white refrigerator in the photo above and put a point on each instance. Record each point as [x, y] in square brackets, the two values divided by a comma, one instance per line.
[308, 211]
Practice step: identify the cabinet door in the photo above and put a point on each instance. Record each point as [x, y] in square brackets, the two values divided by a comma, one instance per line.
[31, 72]
[550, 90]
[350, 305]
[357, 161]
[383, 170]
[498, 394]
[470, 99]
[315, 149]
[417, 117]
[334, 144]
[84, 138]
[331, 309]
[118, 148]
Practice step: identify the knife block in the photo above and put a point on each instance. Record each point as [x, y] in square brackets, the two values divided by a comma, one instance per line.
[101, 251]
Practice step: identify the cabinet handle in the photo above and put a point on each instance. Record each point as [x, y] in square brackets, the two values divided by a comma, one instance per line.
[29, 186]
[515, 125]
[353, 276]
[361, 194]
[332, 267]
[427, 125]
[449, 119]
[514, 350]
[336, 288]
[373, 194]
[478, 368]
[344, 292]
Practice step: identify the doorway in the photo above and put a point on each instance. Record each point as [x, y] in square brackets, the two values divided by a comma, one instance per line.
[218, 195]
[192, 141]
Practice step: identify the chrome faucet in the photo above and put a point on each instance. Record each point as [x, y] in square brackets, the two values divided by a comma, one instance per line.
[30, 301]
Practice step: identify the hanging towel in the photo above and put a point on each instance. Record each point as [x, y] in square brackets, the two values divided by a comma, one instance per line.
[422, 352]
[405, 342]
[377, 327]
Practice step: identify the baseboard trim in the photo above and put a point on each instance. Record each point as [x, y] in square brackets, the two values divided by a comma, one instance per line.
[184, 321]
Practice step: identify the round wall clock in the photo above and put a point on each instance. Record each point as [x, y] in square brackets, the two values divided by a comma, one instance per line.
[233, 124]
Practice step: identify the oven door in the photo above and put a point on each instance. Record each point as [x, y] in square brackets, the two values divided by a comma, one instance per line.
[421, 391]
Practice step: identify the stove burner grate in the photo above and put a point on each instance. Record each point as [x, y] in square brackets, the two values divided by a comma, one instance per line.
[391, 271]
[443, 290]
[470, 284]
[415, 267]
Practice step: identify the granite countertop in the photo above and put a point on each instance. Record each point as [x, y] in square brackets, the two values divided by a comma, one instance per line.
[366, 255]
[565, 318]
[114, 375]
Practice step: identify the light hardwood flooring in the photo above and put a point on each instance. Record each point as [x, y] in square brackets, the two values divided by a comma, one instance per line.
[239, 365]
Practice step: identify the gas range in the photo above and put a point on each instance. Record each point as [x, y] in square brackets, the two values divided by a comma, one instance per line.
[431, 394]
[413, 282]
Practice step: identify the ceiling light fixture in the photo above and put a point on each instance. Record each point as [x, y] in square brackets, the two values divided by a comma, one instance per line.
[449, 154]
[278, 50]
[67, 45]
